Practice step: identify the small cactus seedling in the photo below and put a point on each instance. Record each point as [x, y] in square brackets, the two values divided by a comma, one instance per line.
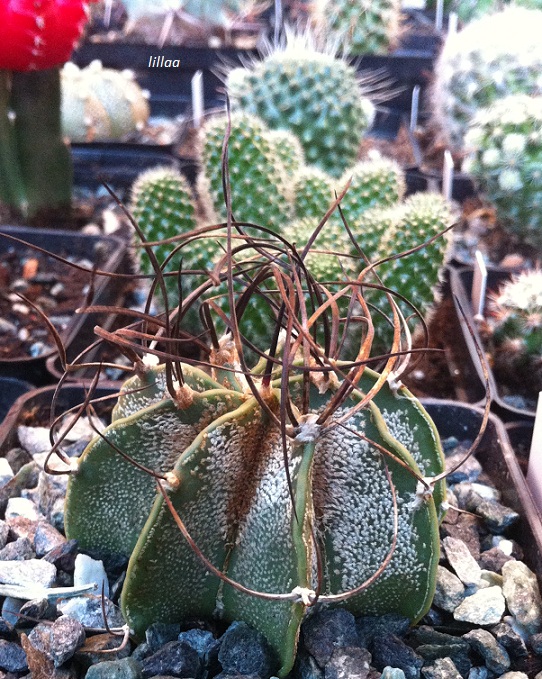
[491, 58]
[505, 145]
[514, 327]
[101, 103]
[313, 94]
[360, 27]
[251, 493]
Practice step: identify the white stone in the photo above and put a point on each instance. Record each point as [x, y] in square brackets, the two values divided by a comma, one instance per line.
[29, 573]
[90, 571]
[34, 439]
[484, 607]
[6, 472]
[21, 506]
[462, 561]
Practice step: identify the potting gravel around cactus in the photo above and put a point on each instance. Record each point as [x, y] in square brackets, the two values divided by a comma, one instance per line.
[485, 622]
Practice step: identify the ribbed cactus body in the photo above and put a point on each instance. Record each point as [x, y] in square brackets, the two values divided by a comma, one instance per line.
[491, 58]
[232, 495]
[101, 103]
[260, 185]
[163, 206]
[505, 144]
[361, 27]
[515, 329]
[314, 95]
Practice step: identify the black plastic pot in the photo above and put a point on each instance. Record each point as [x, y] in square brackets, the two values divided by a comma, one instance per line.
[471, 382]
[107, 252]
[10, 390]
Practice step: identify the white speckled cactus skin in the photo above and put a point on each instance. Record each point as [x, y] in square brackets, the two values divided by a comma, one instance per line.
[360, 26]
[492, 57]
[313, 94]
[100, 103]
[505, 145]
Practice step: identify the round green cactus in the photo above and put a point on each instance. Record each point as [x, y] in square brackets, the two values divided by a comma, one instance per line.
[505, 145]
[491, 58]
[360, 27]
[101, 103]
[315, 95]
[260, 185]
[514, 325]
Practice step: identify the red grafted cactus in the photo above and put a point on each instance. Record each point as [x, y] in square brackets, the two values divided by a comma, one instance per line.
[36, 37]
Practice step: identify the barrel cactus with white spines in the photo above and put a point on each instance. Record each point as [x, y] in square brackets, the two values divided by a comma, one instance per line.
[505, 145]
[491, 58]
[311, 93]
[360, 27]
[101, 103]
[258, 490]
[260, 183]
[514, 329]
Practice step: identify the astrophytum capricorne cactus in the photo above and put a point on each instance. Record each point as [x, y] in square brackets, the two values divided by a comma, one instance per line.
[250, 494]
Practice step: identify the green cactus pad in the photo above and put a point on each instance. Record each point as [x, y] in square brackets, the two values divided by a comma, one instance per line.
[260, 186]
[108, 499]
[312, 94]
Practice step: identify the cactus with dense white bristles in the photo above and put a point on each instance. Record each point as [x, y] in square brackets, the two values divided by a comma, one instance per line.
[311, 93]
[505, 146]
[491, 58]
[514, 326]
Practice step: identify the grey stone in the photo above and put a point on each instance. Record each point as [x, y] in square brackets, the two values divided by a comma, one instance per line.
[442, 668]
[462, 561]
[457, 652]
[4, 533]
[18, 550]
[484, 607]
[160, 633]
[58, 641]
[88, 570]
[495, 657]
[392, 673]
[205, 645]
[327, 629]
[36, 609]
[469, 470]
[423, 634]
[522, 594]
[7, 630]
[535, 642]
[142, 651]
[348, 662]
[47, 538]
[449, 592]
[478, 673]
[88, 610]
[306, 666]
[33, 572]
[11, 608]
[493, 559]
[126, 668]
[63, 556]
[176, 658]
[12, 657]
[497, 517]
[244, 650]
[390, 650]
[370, 627]
[510, 640]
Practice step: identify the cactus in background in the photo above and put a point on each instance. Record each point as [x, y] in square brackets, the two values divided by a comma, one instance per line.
[360, 27]
[260, 185]
[514, 331]
[505, 145]
[315, 95]
[491, 58]
[35, 164]
[163, 206]
[101, 103]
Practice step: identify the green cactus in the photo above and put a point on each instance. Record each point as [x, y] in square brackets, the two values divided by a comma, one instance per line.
[505, 145]
[315, 95]
[225, 464]
[260, 185]
[101, 103]
[514, 327]
[360, 27]
[397, 229]
[491, 58]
